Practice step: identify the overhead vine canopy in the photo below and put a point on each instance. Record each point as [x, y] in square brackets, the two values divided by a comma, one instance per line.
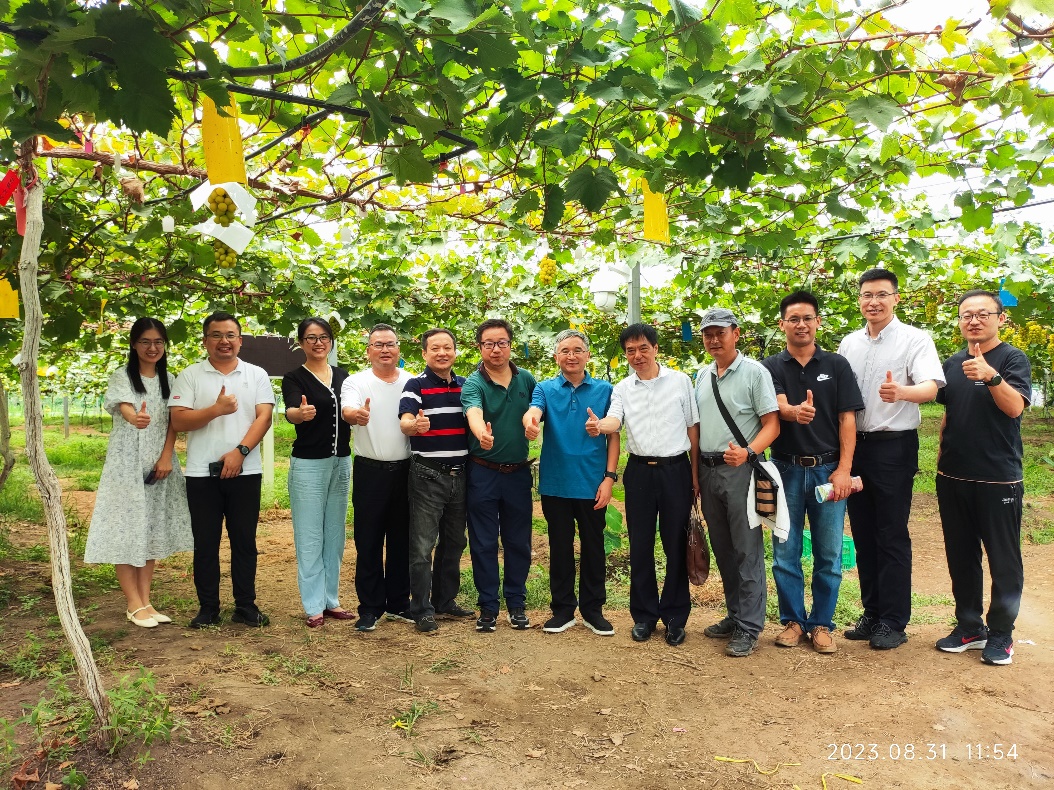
[781, 134]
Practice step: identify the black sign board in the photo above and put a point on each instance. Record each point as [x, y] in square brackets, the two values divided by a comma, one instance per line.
[275, 354]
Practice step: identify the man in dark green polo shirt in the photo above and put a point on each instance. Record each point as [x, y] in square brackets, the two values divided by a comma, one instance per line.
[495, 397]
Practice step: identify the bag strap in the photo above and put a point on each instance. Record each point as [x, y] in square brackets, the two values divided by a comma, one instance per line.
[738, 434]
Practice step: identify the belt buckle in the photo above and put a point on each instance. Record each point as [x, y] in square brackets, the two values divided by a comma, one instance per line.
[652, 463]
[814, 460]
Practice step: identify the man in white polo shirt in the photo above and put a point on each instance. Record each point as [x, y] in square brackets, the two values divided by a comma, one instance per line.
[224, 404]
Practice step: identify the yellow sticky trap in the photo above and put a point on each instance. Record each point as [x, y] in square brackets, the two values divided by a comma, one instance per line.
[8, 300]
[656, 219]
[222, 140]
[102, 314]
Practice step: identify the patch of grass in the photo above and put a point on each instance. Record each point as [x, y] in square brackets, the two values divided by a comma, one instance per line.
[1040, 536]
[848, 609]
[29, 660]
[79, 453]
[19, 499]
[87, 481]
[406, 720]
[939, 599]
[448, 663]
[93, 579]
[38, 552]
[406, 680]
[540, 525]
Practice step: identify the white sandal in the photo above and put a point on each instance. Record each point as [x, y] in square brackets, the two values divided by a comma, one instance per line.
[158, 617]
[149, 622]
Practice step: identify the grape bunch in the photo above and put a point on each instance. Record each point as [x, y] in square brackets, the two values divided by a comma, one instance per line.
[547, 271]
[222, 206]
[225, 256]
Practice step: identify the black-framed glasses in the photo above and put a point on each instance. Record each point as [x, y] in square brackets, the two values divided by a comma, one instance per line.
[490, 345]
[980, 315]
[796, 320]
[312, 339]
[217, 336]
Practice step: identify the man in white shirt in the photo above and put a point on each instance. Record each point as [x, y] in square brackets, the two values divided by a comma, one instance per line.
[897, 368]
[662, 433]
[370, 403]
[224, 404]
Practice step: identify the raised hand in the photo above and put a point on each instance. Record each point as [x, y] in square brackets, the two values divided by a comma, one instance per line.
[531, 429]
[805, 412]
[142, 419]
[592, 424]
[735, 456]
[422, 424]
[307, 411]
[975, 368]
[486, 439]
[889, 390]
[227, 404]
[363, 416]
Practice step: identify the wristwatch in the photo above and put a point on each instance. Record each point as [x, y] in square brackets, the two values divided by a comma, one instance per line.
[995, 381]
[612, 475]
[243, 449]
[751, 455]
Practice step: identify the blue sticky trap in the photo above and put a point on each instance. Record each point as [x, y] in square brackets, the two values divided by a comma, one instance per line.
[1007, 298]
[402, 362]
[526, 351]
[686, 332]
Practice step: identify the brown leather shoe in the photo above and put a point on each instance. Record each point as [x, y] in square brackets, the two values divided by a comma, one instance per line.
[790, 636]
[822, 641]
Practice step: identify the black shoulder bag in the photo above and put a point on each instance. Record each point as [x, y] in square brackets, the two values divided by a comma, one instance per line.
[766, 489]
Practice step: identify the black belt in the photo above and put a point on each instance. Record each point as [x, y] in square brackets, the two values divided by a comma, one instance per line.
[454, 470]
[807, 460]
[879, 436]
[712, 459]
[505, 469]
[388, 466]
[663, 460]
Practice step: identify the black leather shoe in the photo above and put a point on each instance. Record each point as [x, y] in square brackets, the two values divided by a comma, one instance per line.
[455, 612]
[675, 636]
[205, 618]
[642, 632]
[250, 616]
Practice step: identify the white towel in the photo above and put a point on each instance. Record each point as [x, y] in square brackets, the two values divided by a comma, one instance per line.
[780, 526]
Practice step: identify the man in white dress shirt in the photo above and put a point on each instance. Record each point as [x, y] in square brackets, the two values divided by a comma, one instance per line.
[662, 433]
[897, 368]
[381, 524]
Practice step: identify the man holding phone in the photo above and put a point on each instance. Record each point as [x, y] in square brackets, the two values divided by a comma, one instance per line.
[224, 405]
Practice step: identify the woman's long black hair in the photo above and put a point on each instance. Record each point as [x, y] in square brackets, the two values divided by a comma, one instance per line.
[138, 328]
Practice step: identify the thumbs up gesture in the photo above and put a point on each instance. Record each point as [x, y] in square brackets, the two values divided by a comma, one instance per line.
[889, 390]
[142, 419]
[805, 412]
[226, 404]
[307, 411]
[422, 424]
[531, 429]
[362, 417]
[975, 368]
[486, 438]
[592, 424]
[735, 456]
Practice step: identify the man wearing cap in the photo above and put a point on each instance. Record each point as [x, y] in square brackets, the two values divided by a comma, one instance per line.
[897, 368]
[725, 471]
[578, 471]
[662, 431]
[815, 446]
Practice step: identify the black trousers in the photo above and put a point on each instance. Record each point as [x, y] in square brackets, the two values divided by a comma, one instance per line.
[663, 492]
[561, 513]
[878, 518]
[211, 501]
[988, 514]
[382, 537]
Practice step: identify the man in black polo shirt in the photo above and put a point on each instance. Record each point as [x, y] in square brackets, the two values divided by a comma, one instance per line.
[430, 414]
[815, 446]
[979, 478]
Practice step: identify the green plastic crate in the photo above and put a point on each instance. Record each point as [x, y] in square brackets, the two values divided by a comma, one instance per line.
[848, 550]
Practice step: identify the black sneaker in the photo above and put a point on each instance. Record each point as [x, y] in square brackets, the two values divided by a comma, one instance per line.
[487, 622]
[518, 619]
[999, 650]
[205, 618]
[721, 630]
[961, 640]
[455, 612]
[598, 625]
[402, 617]
[427, 624]
[863, 629]
[366, 622]
[558, 623]
[885, 638]
[250, 615]
[741, 644]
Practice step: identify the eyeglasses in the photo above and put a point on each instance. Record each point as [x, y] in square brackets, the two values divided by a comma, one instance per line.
[218, 336]
[384, 346]
[312, 339]
[980, 315]
[880, 296]
[572, 352]
[151, 343]
[490, 345]
[796, 320]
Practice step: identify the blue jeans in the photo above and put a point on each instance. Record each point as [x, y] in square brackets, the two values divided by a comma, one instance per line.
[826, 525]
[437, 521]
[318, 501]
[499, 505]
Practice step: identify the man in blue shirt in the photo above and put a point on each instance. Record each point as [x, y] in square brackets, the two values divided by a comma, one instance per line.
[575, 480]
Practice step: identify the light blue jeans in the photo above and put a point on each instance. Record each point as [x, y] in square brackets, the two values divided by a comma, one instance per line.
[826, 525]
[318, 500]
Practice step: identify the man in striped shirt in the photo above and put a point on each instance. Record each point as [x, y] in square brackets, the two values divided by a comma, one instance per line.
[431, 415]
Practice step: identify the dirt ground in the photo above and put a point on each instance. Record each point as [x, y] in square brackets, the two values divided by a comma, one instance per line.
[285, 707]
